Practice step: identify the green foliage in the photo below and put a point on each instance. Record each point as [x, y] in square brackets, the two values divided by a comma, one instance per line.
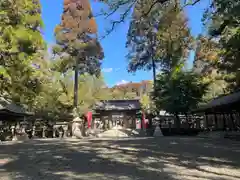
[131, 90]
[147, 103]
[141, 38]
[174, 37]
[118, 94]
[205, 65]
[20, 45]
[162, 35]
[222, 19]
[56, 96]
[180, 93]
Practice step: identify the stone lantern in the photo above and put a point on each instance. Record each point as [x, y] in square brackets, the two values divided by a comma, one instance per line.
[76, 127]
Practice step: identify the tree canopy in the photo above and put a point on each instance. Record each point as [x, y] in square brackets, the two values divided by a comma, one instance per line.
[158, 38]
[77, 45]
[180, 93]
[21, 46]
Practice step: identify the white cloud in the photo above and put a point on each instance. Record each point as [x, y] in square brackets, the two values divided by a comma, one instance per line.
[122, 82]
[107, 70]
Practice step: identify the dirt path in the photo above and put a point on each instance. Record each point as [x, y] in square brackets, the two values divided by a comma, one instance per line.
[139, 159]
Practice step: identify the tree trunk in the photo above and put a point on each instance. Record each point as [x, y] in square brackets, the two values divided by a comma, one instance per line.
[154, 75]
[153, 64]
[75, 101]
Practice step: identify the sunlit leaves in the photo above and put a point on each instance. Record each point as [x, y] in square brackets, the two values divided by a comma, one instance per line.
[179, 93]
[222, 20]
[20, 42]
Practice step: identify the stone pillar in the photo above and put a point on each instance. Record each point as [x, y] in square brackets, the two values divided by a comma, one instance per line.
[206, 122]
[13, 130]
[43, 131]
[110, 121]
[34, 131]
[54, 131]
[104, 122]
[197, 122]
[94, 124]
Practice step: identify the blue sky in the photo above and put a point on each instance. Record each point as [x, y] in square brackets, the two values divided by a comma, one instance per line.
[114, 64]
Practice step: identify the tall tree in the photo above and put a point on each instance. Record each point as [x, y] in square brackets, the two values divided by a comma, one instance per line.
[205, 65]
[174, 37]
[142, 39]
[21, 43]
[77, 44]
[179, 93]
[222, 19]
[124, 7]
[159, 40]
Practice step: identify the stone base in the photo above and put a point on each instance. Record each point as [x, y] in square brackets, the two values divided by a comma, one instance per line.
[117, 127]
[77, 134]
[23, 137]
[20, 138]
[14, 138]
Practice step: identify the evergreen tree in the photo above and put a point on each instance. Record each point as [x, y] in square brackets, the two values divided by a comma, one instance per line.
[77, 44]
[222, 19]
[124, 7]
[20, 44]
[160, 40]
[179, 93]
[141, 39]
[207, 55]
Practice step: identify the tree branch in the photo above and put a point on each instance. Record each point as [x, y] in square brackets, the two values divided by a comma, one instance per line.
[191, 3]
[121, 20]
[124, 15]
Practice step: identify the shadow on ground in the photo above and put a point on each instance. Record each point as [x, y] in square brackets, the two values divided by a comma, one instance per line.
[139, 158]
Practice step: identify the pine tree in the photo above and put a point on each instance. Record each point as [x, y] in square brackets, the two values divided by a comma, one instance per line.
[77, 44]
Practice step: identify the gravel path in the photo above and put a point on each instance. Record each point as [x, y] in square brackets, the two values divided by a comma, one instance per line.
[163, 158]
